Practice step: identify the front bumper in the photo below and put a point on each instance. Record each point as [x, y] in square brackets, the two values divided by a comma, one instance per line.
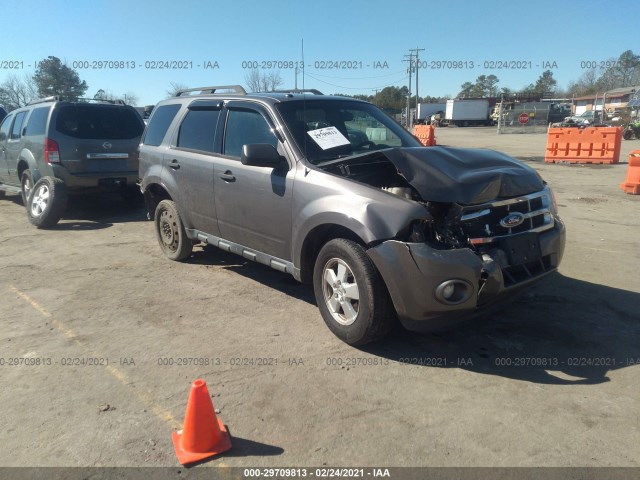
[413, 271]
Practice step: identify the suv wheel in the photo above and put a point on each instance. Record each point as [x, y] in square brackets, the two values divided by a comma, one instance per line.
[170, 231]
[350, 293]
[26, 184]
[47, 202]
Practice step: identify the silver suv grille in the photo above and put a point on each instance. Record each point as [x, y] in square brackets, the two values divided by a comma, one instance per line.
[492, 221]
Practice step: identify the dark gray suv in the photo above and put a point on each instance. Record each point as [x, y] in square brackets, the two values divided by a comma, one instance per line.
[50, 148]
[334, 192]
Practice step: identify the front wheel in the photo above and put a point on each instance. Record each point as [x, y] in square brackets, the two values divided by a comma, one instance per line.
[46, 202]
[627, 134]
[350, 293]
[170, 231]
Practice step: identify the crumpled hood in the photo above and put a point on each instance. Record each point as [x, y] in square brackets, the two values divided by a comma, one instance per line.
[466, 176]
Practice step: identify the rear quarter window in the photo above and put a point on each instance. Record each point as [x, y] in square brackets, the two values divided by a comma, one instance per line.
[4, 128]
[159, 123]
[37, 122]
[99, 122]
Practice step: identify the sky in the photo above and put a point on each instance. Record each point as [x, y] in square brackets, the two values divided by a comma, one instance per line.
[346, 46]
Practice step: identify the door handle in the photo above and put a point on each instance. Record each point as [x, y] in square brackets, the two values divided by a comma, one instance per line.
[174, 164]
[228, 176]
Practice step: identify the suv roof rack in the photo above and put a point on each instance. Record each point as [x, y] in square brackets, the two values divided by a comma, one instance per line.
[53, 98]
[300, 90]
[211, 90]
[100, 100]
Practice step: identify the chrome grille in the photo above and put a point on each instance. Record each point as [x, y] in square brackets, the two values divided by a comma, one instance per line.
[487, 222]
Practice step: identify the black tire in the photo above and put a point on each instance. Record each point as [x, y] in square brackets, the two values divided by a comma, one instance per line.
[170, 232]
[627, 134]
[47, 202]
[26, 186]
[354, 321]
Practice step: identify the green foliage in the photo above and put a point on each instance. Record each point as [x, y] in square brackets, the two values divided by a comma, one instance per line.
[52, 77]
[484, 86]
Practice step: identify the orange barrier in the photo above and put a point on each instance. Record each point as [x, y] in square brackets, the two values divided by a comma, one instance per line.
[426, 134]
[589, 145]
[203, 434]
[632, 184]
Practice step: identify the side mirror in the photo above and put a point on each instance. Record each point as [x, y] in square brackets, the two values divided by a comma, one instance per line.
[260, 155]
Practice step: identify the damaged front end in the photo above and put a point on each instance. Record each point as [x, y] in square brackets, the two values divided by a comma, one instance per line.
[490, 228]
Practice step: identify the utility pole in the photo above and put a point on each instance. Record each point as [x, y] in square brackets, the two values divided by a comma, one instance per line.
[417, 50]
[410, 70]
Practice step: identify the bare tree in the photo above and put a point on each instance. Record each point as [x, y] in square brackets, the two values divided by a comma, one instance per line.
[175, 87]
[267, 82]
[16, 92]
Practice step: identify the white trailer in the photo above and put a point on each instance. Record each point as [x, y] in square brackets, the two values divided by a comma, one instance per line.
[425, 110]
[467, 112]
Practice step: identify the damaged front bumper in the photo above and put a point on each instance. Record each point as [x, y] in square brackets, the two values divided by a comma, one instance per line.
[416, 276]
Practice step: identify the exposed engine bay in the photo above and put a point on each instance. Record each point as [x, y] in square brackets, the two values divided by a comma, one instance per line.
[450, 183]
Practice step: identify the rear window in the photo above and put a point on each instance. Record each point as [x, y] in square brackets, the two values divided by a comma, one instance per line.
[99, 122]
[159, 123]
[37, 122]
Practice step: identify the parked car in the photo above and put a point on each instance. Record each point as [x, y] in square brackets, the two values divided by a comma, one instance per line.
[52, 148]
[590, 118]
[382, 227]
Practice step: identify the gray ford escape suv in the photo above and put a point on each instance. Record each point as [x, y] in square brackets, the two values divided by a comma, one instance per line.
[334, 192]
[50, 148]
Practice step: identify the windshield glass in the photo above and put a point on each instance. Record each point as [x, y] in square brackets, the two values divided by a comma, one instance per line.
[328, 129]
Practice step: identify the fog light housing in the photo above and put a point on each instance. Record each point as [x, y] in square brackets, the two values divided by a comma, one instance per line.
[453, 292]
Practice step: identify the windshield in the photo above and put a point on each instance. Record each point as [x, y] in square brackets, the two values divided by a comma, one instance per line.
[328, 129]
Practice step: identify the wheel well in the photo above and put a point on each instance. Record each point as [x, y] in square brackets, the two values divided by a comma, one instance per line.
[22, 166]
[315, 240]
[153, 195]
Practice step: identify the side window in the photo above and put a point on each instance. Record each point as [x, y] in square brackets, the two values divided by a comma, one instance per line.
[159, 124]
[17, 126]
[4, 128]
[246, 127]
[37, 122]
[198, 130]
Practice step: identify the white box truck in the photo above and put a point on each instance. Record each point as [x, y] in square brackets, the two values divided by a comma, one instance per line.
[425, 110]
[467, 112]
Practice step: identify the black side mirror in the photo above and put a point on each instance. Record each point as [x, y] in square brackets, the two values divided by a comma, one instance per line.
[261, 155]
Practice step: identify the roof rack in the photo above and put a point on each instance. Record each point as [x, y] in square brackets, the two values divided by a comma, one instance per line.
[211, 90]
[53, 98]
[300, 90]
[100, 100]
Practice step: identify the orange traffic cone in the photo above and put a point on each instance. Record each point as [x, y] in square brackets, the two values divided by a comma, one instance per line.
[203, 434]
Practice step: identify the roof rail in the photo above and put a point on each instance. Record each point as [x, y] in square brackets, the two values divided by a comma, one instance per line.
[300, 90]
[100, 100]
[211, 90]
[53, 98]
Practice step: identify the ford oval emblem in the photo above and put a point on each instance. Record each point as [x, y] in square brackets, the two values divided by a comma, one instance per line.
[512, 220]
[106, 145]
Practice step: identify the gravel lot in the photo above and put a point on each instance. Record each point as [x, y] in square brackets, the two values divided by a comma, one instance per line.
[101, 337]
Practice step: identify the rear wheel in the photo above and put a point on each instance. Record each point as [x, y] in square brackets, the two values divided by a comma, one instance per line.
[47, 202]
[350, 293]
[26, 184]
[170, 232]
[627, 134]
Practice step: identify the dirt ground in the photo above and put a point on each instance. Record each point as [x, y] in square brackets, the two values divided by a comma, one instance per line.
[101, 337]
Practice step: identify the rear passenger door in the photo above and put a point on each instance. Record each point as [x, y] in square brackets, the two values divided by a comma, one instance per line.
[189, 165]
[13, 146]
[253, 203]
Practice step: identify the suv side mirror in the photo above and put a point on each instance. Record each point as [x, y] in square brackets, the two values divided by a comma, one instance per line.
[260, 155]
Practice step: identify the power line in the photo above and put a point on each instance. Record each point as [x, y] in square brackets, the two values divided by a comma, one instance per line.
[358, 88]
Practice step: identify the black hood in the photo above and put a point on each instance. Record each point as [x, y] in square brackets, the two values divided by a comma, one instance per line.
[466, 176]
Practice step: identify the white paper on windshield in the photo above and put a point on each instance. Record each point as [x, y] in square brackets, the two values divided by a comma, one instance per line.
[328, 137]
